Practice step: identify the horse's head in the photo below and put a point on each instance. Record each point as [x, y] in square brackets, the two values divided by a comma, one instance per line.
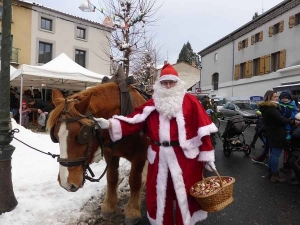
[71, 126]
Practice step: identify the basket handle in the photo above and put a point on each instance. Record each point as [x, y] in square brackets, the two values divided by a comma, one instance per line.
[221, 183]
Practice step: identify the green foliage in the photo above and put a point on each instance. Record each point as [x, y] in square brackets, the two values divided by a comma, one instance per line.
[187, 55]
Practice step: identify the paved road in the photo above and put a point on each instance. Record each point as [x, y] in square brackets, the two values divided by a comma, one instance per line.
[257, 201]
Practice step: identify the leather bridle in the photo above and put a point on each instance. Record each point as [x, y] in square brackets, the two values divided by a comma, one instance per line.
[84, 137]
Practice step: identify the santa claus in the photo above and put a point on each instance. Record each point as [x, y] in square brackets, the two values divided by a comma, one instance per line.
[179, 129]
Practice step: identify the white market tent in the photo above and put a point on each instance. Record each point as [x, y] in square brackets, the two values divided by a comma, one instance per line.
[61, 72]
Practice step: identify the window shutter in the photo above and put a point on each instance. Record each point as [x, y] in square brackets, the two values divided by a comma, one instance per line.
[282, 59]
[281, 26]
[261, 65]
[250, 68]
[267, 63]
[291, 21]
[240, 46]
[246, 42]
[236, 72]
[270, 31]
[261, 35]
[247, 69]
[252, 39]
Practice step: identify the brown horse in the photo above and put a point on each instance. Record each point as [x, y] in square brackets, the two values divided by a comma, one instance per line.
[71, 123]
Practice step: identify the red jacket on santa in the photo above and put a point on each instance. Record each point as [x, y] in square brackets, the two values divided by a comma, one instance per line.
[172, 170]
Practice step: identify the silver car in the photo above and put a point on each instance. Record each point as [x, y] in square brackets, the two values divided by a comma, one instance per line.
[237, 108]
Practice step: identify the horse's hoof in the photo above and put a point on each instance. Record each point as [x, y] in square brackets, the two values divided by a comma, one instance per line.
[131, 221]
[107, 215]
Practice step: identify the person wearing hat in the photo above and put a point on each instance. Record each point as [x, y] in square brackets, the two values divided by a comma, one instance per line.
[288, 109]
[180, 148]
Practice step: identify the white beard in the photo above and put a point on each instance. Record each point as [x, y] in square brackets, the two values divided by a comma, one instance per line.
[168, 102]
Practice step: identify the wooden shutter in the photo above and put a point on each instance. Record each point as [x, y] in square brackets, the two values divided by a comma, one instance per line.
[282, 59]
[261, 65]
[252, 39]
[247, 71]
[250, 68]
[261, 35]
[291, 21]
[281, 24]
[270, 31]
[246, 42]
[240, 46]
[267, 63]
[237, 72]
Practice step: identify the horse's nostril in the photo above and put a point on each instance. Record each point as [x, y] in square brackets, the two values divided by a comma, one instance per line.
[73, 188]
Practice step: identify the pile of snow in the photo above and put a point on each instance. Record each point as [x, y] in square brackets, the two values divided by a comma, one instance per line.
[40, 198]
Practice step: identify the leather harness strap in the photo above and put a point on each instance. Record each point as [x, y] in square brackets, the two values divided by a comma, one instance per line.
[166, 143]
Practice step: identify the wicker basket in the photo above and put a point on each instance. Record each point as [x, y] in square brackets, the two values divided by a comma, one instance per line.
[218, 199]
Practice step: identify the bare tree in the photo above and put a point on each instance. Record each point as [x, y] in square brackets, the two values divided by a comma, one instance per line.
[144, 66]
[130, 19]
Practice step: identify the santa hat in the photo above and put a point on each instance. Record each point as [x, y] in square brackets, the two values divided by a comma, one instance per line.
[168, 73]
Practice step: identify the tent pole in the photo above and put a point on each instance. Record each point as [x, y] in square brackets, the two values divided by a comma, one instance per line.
[21, 99]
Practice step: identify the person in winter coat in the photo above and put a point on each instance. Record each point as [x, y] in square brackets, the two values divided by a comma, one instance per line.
[275, 130]
[179, 129]
[294, 155]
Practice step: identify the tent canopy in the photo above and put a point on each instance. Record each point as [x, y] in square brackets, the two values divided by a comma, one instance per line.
[62, 72]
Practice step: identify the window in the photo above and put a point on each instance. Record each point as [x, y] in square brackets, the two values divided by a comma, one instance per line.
[243, 70]
[275, 61]
[81, 33]
[276, 28]
[257, 37]
[80, 57]
[256, 67]
[244, 44]
[297, 19]
[46, 24]
[216, 57]
[1, 11]
[45, 52]
[215, 81]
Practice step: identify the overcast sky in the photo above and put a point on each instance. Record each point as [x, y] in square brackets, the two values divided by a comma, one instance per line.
[201, 22]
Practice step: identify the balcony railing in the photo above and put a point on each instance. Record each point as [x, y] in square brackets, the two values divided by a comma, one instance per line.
[14, 57]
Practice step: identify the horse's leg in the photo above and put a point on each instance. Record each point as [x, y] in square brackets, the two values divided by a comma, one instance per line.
[132, 210]
[110, 204]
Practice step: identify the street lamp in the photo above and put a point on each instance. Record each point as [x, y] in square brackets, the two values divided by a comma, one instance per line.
[7, 198]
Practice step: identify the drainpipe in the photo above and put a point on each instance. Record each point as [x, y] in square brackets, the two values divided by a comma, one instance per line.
[7, 198]
[232, 78]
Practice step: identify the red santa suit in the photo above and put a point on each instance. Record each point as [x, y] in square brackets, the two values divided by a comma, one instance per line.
[172, 170]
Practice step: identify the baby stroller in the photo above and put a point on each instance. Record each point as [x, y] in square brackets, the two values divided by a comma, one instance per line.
[233, 137]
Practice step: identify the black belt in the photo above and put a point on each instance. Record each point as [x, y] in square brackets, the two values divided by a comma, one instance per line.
[166, 143]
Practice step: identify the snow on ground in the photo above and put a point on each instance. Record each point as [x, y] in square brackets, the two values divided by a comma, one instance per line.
[40, 198]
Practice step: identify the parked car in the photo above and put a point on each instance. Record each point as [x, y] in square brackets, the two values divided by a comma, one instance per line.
[237, 108]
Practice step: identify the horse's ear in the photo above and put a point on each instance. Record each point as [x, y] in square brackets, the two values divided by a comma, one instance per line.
[83, 106]
[57, 96]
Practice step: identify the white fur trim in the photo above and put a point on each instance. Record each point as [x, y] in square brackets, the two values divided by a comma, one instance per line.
[151, 220]
[178, 183]
[151, 155]
[207, 156]
[169, 77]
[207, 130]
[198, 216]
[138, 117]
[115, 131]
[162, 176]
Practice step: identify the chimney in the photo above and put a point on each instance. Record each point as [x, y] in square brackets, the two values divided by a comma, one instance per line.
[165, 62]
[193, 63]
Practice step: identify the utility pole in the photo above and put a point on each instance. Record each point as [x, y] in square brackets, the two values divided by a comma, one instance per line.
[7, 198]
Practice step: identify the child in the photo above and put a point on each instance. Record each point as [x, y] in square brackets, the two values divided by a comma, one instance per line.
[288, 109]
[24, 113]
